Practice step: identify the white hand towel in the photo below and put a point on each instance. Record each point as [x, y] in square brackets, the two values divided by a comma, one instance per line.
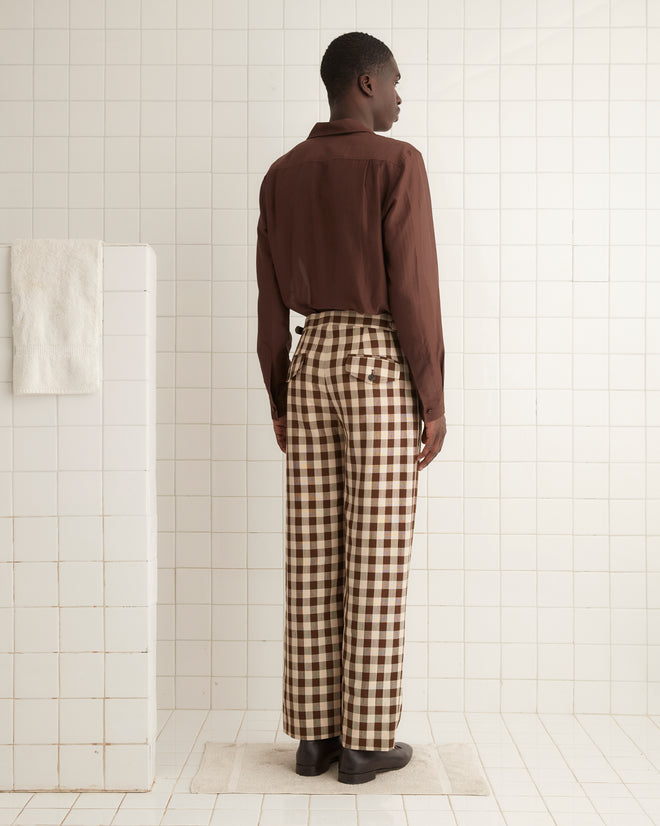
[57, 294]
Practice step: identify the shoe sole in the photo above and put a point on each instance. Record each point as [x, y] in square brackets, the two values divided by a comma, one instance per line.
[365, 777]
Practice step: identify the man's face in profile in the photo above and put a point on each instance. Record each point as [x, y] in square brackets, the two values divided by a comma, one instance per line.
[387, 100]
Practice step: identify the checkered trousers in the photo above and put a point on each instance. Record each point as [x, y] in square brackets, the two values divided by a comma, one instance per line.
[353, 429]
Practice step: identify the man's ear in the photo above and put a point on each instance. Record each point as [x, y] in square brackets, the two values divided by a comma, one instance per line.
[365, 84]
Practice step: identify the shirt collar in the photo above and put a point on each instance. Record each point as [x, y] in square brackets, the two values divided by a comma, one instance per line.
[342, 126]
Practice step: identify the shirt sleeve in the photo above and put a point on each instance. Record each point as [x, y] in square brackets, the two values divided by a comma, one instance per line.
[412, 275]
[273, 335]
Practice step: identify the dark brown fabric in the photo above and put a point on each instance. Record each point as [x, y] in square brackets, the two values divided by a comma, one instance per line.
[346, 223]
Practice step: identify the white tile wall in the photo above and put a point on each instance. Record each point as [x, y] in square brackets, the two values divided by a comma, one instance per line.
[536, 565]
[78, 531]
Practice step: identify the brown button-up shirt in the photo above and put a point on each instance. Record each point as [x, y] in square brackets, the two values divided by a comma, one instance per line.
[346, 224]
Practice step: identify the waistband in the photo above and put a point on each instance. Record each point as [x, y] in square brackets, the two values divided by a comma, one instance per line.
[348, 318]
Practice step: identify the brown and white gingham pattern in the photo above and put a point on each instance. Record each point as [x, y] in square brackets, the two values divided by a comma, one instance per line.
[353, 430]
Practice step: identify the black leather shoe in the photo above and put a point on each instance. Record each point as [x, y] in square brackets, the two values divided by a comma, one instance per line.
[361, 766]
[315, 756]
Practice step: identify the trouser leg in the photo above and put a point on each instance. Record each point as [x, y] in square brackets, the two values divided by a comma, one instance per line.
[383, 436]
[314, 563]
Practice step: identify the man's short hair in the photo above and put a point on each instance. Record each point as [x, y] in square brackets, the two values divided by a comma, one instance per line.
[349, 56]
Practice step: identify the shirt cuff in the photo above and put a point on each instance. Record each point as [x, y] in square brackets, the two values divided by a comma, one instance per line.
[430, 414]
[278, 407]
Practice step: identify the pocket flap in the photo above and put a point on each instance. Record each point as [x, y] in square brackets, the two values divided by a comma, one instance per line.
[295, 365]
[372, 369]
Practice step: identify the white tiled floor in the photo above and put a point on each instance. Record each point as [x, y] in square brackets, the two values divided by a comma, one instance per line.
[543, 769]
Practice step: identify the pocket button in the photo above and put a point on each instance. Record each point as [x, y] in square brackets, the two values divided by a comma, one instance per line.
[372, 376]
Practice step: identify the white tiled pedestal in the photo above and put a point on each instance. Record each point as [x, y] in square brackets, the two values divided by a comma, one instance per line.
[78, 555]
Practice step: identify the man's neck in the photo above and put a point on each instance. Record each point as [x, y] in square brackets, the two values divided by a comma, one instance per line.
[363, 117]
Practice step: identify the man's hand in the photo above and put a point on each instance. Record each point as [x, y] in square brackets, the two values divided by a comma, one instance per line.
[280, 432]
[434, 435]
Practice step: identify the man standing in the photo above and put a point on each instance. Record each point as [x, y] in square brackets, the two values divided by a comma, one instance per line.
[345, 237]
